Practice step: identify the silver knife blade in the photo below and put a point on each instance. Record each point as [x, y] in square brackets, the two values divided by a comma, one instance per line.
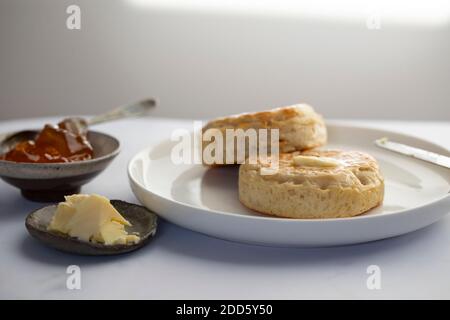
[414, 152]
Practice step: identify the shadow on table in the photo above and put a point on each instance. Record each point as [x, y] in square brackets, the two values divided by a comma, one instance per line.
[188, 243]
[13, 206]
[35, 250]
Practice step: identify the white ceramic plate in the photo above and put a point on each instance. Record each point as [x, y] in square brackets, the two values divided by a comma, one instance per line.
[206, 200]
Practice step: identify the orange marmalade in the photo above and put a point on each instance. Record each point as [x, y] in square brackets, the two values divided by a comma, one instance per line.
[60, 143]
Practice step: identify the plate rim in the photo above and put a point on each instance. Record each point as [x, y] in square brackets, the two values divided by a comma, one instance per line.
[332, 123]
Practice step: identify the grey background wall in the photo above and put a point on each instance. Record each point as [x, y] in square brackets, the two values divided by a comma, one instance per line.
[204, 63]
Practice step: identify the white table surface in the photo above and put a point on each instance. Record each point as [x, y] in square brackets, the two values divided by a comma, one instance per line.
[183, 264]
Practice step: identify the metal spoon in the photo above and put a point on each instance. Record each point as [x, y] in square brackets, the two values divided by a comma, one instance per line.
[76, 124]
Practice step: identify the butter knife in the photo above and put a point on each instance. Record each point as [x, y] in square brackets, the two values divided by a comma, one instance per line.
[414, 152]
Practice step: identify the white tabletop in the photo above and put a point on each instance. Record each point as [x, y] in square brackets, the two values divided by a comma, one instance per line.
[183, 264]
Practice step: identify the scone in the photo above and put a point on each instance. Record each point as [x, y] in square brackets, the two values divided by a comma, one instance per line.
[313, 184]
[300, 128]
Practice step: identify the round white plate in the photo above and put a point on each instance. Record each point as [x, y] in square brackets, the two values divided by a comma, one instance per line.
[206, 199]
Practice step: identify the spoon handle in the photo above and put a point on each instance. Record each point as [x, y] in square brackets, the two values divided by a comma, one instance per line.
[135, 109]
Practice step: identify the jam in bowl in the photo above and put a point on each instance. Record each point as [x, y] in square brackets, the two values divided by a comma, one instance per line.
[50, 163]
[65, 142]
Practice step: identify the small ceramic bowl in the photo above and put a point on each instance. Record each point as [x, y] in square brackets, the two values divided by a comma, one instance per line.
[143, 222]
[50, 182]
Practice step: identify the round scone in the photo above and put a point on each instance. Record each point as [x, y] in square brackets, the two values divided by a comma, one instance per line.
[300, 128]
[313, 185]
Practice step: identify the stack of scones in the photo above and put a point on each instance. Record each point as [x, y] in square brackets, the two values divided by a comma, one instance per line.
[309, 182]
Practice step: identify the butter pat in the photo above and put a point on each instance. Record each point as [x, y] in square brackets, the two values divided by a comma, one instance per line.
[311, 161]
[91, 218]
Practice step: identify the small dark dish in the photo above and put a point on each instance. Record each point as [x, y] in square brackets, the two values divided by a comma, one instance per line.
[50, 182]
[144, 223]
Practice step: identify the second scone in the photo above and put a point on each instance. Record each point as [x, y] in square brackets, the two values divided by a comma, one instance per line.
[300, 128]
[313, 185]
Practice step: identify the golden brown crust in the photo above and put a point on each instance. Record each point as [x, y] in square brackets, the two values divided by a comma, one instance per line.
[300, 127]
[352, 187]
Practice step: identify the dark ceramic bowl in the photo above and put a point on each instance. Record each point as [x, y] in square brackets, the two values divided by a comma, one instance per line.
[143, 222]
[50, 182]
